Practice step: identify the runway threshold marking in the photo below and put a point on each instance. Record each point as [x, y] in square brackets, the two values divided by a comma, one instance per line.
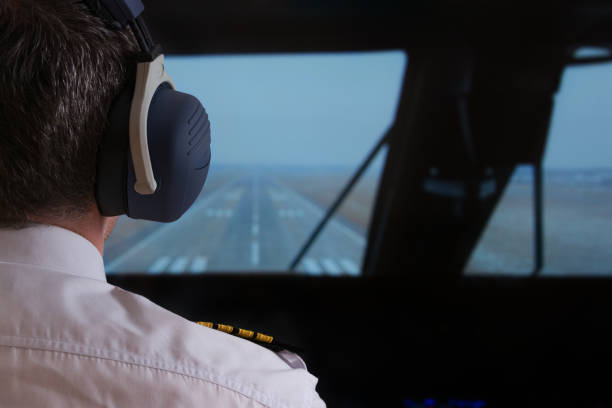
[312, 266]
[159, 265]
[309, 205]
[234, 195]
[330, 266]
[349, 266]
[113, 265]
[179, 265]
[199, 264]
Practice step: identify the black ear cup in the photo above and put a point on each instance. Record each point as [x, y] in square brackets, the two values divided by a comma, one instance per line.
[179, 145]
[111, 166]
[178, 134]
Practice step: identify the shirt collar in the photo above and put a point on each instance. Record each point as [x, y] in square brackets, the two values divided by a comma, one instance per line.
[51, 247]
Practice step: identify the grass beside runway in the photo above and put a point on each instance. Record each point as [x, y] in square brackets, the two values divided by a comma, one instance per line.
[577, 231]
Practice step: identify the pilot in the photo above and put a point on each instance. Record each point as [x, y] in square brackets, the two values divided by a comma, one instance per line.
[67, 337]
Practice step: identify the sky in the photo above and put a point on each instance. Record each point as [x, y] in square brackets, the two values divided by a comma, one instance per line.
[294, 109]
[330, 109]
[581, 126]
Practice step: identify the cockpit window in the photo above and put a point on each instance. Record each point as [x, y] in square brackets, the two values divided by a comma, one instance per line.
[339, 248]
[577, 190]
[287, 133]
[507, 244]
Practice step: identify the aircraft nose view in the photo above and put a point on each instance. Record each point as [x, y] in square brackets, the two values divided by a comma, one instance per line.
[305, 204]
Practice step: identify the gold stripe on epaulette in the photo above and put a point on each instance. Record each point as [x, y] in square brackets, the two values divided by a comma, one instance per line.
[264, 338]
[225, 328]
[248, 334]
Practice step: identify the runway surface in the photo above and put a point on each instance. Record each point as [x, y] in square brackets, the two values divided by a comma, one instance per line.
[253, 223]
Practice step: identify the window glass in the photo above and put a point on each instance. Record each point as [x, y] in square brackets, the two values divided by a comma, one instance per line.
[577, 183]
[578, 176]
[339, 249]
[287, 133]
[506, 245]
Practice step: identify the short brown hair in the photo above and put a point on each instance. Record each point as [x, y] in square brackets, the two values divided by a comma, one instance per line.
[59, 72]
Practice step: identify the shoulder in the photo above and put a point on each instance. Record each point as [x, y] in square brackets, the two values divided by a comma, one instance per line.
[208, 354]
[95, 319]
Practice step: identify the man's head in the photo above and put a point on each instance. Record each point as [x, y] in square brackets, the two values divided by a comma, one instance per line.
[61, 68]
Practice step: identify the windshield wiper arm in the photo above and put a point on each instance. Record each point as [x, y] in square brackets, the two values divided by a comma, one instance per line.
[345, 191]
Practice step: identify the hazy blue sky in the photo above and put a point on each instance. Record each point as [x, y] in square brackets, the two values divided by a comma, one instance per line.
[308, 109]
[329, 109]
[581, 127]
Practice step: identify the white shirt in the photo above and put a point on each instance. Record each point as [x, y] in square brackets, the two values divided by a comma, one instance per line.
[70, 339]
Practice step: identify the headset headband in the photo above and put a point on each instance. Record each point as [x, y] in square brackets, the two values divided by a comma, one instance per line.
[150, 74]
[119, 14]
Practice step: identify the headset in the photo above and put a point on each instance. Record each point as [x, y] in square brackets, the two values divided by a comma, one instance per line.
[155, 151]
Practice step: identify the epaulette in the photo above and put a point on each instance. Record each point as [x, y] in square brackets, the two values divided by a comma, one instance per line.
[256, 337]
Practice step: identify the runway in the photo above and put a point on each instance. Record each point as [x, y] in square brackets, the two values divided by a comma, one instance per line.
[253, 223]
